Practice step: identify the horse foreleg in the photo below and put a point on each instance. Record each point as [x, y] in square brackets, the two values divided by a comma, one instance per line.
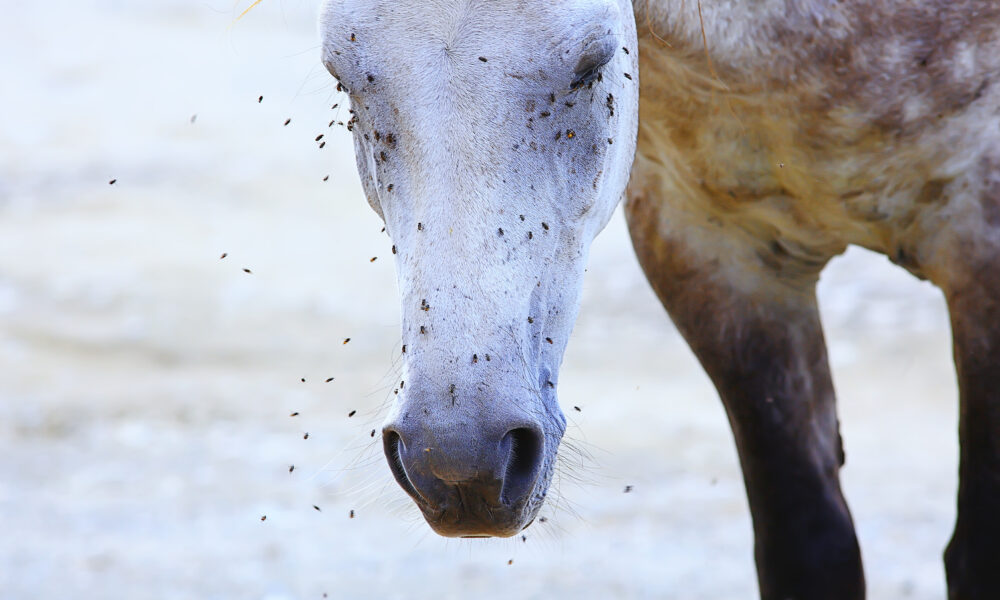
[757, 333]
[972, 559]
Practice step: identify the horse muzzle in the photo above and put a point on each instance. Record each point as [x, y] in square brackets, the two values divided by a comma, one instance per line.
[468, 481]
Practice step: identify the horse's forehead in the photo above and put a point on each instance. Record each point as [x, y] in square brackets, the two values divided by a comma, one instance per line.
[498, 20]
[414, 51]
[445, 9]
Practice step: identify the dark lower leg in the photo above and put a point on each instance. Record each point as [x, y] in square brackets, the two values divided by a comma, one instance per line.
[972, 560]
[771, 371]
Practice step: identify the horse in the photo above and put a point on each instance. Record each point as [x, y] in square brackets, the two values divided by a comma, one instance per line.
[496, 138]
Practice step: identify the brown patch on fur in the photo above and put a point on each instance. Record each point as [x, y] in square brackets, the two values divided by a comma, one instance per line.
[667, 268]
[930, 192]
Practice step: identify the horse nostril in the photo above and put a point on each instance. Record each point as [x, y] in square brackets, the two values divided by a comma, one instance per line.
[523, 463]
[392, 444]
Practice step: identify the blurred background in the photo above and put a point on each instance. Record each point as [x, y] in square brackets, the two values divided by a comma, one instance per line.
[146, 385]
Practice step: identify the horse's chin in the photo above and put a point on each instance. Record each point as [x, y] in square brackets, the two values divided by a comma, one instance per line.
[494, 523]
[480, 520]
[453, 530]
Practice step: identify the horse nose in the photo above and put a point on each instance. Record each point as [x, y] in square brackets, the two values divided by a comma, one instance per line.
[466, 482]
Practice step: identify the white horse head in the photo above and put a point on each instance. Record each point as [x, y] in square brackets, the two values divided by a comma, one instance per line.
[495, 139]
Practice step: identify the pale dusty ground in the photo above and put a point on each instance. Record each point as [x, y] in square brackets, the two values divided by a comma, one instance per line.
[145, 385]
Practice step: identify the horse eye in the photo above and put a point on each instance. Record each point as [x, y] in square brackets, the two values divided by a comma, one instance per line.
[586, 78]
[593, 60]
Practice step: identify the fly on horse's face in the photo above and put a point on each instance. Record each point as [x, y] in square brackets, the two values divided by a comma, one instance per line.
[495, 140]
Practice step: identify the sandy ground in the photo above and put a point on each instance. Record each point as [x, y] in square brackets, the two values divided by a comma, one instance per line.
[146, 385]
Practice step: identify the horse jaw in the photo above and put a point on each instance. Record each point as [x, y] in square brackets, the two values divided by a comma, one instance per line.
[495, 140]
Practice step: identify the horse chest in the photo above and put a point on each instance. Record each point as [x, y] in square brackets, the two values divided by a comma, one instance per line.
[817, 156]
